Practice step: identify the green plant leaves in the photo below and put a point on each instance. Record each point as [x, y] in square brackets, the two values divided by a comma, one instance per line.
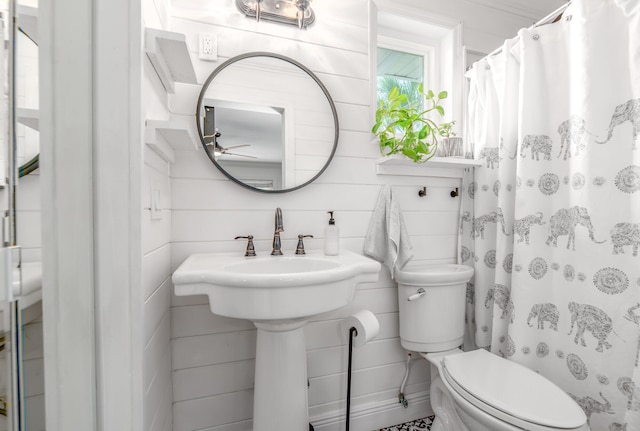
[423, 147]
[403, 128]
[393, 94]
[409, 152]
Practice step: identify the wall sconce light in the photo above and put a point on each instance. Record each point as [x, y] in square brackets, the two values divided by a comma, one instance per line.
[294, 12]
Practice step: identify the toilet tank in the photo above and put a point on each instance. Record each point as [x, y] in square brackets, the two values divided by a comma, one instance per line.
[432, 302]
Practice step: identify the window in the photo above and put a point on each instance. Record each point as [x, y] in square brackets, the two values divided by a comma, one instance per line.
[414, 47]
[400, 69]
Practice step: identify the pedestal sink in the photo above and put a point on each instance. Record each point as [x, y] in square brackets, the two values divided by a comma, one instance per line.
[279, 294]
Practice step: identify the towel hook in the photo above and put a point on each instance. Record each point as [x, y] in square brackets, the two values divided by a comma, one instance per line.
[455, 193]
[423, 192]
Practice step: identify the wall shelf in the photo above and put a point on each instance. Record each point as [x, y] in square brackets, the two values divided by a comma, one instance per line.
[169, 55]
[30, 291]
[165, 137]
[28, 21]
[448, 167]
[29, 117]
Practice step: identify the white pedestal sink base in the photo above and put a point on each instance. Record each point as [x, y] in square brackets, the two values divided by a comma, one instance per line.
[279, 294]
[280, 390]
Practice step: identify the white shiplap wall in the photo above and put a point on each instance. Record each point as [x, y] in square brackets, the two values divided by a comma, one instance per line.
[156, 246]
[157, 293]
[208, 375]
[213, 357]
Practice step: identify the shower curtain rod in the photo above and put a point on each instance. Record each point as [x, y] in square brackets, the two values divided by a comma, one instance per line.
[546, 20]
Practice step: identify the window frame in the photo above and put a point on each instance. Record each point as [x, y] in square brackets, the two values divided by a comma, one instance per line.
[446, 56]
[427, 52]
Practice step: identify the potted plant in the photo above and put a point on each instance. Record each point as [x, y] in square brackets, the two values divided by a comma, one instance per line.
[446, 130]
[450, 145]
[408, 128]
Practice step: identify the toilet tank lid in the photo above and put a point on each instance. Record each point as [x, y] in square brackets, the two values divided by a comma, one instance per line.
[514, 389]
[420, 274]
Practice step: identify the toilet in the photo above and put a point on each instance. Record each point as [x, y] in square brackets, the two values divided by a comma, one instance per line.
[475, 390]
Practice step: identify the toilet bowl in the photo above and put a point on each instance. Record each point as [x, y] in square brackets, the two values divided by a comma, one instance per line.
[476, 390]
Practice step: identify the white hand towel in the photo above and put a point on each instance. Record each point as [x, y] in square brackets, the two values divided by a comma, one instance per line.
[387, 239]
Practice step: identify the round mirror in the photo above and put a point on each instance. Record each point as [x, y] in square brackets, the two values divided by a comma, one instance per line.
[26, 93]
[267, 122]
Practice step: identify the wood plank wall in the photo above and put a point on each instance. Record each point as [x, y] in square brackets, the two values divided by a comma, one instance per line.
[206, 382]
[212, 356]
[156, 247]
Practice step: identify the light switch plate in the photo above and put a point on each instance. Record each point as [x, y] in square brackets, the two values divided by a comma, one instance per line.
[156, 210]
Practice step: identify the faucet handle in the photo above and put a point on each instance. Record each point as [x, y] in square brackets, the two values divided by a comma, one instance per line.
[250, 250]
[300, 246]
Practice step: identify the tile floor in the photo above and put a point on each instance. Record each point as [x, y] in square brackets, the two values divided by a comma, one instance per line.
[420, 424]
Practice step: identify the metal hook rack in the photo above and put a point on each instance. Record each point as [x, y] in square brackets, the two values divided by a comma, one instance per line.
[423, 192]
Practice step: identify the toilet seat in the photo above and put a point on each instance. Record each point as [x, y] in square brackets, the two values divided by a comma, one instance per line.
[488, 382]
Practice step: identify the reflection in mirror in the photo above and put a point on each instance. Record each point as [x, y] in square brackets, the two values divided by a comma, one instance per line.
[243, 151]
[27, 140]
[7, 395]
[267, 122]
[4, 110]
[26, 92]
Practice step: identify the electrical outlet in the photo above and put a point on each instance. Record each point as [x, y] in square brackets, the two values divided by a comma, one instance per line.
[208, 46]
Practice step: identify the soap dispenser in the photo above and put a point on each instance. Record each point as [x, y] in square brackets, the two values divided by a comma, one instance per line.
[331, 237]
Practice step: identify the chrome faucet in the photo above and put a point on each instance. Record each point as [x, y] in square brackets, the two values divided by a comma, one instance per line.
[276, 234]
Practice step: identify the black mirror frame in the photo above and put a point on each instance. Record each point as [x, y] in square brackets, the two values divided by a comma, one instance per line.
[295, 63]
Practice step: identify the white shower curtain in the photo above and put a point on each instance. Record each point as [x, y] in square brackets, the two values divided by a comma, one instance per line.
[551, 220]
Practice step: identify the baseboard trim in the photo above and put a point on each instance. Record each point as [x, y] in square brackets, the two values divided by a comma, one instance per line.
[376, 415]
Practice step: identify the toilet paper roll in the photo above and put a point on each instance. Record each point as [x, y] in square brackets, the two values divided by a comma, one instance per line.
[366, 324]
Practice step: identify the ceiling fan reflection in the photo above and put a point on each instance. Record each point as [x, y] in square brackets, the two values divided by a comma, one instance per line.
[219, 150]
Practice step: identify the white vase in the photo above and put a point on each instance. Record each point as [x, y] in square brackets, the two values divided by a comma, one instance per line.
[450, 147]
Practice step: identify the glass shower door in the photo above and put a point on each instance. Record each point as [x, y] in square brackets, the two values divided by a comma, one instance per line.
[10, 257]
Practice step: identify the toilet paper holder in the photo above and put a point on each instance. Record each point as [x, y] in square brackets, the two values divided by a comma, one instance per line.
[360, 328]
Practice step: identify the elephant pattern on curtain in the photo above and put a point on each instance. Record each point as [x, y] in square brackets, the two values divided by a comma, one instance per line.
[551, 219]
